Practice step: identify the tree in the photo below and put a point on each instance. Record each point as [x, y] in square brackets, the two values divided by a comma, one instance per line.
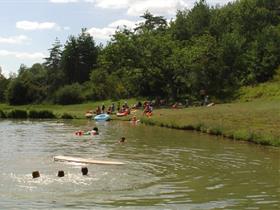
[79, 57]
[179, 27]
[152, 23]
[192, 22]
[54, 60]
[69, 94]
[29, 86]
[55, 76]
[17, 93]
[4, 82]
[263, 56]
[88, 55]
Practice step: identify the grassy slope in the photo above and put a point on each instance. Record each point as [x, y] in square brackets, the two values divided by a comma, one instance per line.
[265, 91]
[257, 122]
[254, 117]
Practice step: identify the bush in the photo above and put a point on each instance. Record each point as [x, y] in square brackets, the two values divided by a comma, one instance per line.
[69, 94]
[17, 93]
[16, 113]
[42, 114]
[2, 114]
[4, 83]
[67, 116]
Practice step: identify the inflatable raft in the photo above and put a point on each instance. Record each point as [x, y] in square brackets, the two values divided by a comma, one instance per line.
[102, 117]
[121, 114]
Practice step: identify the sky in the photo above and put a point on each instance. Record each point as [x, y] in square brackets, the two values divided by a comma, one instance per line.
[28, 28]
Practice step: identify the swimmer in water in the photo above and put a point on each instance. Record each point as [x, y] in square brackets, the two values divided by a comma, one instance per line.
[95, 131]
[122, 140]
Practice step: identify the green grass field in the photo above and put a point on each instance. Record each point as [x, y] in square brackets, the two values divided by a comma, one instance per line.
[257, 121]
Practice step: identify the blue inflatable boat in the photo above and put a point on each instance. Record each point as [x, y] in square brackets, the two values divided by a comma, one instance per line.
[102, 117]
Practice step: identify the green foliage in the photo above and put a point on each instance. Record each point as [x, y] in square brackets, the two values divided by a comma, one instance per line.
[3, 86]
[2, 114]
[55, 76]
[54, 59]
[17, 93]
[276, 77]
[269, 90]
[103, 86]
[28, 87]
[214, 49]
[79, 57]
[66, 116]
[69, 94]
[17, 114]
[190, 23]
[151, 23]
[41, 114]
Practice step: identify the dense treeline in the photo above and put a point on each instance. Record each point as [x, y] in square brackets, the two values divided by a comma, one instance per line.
[216, 49]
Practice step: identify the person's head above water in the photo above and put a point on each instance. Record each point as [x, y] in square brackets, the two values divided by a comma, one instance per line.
[95, 131]
[122, 140]
[84, 170]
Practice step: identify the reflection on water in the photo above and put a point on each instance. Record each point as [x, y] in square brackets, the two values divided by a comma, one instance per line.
[165, 169]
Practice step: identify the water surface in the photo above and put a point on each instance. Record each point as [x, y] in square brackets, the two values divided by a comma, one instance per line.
[165, 169]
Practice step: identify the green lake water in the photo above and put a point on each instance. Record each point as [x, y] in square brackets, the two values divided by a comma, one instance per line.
[165, 168]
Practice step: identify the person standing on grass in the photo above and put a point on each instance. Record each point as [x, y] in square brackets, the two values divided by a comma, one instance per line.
[98, 110]
[103, 108]
[113, 107]
[206, 98]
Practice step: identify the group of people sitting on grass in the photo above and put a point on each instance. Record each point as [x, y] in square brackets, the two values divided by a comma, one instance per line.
[148, 109]
[102, 109]
[112, 109]
[147, 106]
[125, 109]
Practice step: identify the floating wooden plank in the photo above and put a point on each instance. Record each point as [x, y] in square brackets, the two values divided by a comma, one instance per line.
[86, 160]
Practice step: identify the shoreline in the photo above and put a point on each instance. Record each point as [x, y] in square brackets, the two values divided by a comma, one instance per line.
[244, 136]
[214, 132]
[256, 122]
[253, 122]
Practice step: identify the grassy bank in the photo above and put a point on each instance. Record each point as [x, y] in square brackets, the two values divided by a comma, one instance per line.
[265, 91]
[257, 121]
[77, 111]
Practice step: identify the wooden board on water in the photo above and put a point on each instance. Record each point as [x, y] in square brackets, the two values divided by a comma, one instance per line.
[85, 160]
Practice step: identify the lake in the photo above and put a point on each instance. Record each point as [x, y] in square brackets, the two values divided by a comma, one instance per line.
[165, 168]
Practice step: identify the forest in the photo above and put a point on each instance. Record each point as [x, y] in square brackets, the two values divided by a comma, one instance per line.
[215, 49]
